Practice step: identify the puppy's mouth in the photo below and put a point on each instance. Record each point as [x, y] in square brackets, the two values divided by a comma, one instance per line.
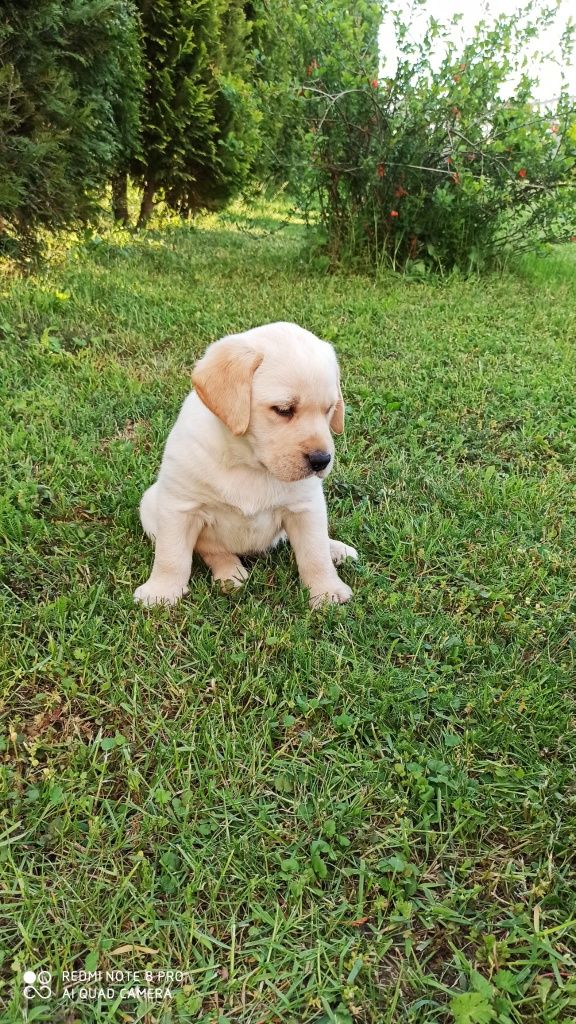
[320, 473]
[290, 473]
[285, 475]
[292, 476]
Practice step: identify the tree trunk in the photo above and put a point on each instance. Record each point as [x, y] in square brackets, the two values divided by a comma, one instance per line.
[120, 199]
[147, 205]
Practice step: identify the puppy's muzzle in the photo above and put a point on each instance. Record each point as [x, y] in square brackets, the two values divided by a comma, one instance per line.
[318, 460]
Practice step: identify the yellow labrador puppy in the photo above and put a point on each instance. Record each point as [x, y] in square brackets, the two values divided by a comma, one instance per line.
[244, 463]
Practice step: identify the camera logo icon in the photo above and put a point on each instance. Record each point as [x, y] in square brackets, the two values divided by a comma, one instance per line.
[37, 984]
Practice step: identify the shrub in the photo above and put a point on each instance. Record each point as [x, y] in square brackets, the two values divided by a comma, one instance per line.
[291, 40]
[280, 36]
[70, 83]
[432, 166]
[199, 120]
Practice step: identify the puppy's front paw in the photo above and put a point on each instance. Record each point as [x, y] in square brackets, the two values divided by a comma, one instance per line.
[339, 551]
[332, 592]
[159, 593]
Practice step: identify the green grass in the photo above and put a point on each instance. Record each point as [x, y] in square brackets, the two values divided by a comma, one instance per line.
[364, 814]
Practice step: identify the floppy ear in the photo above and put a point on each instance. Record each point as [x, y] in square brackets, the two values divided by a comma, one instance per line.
[223, 380]
[337, 419]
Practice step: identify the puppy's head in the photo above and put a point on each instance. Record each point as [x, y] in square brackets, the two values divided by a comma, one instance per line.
[278, 386]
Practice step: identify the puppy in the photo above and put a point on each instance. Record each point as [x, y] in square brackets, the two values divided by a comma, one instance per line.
[244, 464]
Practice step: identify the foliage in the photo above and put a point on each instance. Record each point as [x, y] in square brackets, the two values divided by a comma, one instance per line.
[290, 42]
[431, 166]
[280, 47]
[199, 120]
[70, 84]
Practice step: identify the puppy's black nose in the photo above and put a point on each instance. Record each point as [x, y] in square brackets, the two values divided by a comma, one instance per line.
[318, 460]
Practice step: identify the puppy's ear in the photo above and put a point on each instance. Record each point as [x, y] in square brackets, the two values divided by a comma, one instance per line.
[223, 380]
[337, 419]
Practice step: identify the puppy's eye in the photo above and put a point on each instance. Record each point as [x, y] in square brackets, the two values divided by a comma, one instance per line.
[286, 411]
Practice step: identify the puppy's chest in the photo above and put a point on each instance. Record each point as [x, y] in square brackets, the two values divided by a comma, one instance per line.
[244, 530]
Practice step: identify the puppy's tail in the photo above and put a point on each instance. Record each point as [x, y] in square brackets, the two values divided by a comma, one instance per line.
[149, 512]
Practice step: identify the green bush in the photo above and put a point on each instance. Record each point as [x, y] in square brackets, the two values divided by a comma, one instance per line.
[290, 42]
[200, 119]
[432, 167]
[281, 39]
[70, 84]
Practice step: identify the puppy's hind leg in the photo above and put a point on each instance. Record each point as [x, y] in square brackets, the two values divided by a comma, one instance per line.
[339, 551]
[226, 568]
[149, 512]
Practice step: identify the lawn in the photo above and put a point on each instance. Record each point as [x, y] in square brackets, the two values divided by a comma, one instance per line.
[363, 814]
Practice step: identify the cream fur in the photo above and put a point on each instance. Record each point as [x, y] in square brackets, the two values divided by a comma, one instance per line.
[235, 477]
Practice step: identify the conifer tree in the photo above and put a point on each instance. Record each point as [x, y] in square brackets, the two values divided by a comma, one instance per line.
[70, 85]
[199, 120]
